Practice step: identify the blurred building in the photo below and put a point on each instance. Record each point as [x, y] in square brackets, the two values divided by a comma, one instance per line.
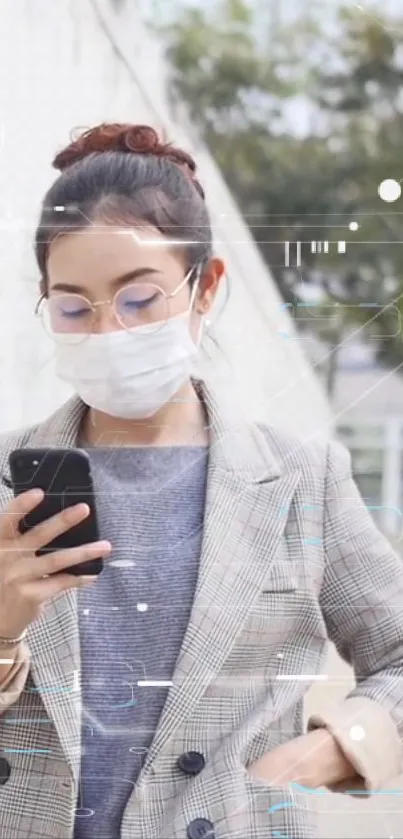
[368, 409]
[366, 402]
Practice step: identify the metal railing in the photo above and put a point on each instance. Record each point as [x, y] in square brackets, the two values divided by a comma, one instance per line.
[377, 461]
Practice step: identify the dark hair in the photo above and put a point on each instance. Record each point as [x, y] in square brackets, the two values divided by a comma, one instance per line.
[124, 174]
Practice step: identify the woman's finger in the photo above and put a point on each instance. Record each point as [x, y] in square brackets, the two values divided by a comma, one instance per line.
[36, 567]
[53, 527]
[16, 510]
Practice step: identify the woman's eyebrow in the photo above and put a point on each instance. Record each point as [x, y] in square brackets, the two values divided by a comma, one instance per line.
[123, 278]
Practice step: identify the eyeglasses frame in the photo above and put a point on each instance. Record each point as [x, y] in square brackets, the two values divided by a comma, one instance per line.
[93, 306]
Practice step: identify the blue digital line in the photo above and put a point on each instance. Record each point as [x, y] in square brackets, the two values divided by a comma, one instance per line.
[283, 806]
[309, 790]
[366, 792]
[28, 751]
[17, 721]
[313, 540]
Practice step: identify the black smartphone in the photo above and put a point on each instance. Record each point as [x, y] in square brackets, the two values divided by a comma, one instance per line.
[65, 477]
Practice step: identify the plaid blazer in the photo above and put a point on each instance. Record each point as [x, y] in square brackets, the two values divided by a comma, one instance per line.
[290, 558]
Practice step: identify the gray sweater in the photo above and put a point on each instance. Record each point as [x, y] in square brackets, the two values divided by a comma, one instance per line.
[150, 503]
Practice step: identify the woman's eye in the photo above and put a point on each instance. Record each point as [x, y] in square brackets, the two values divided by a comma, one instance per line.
[140, 304]
[75, 314]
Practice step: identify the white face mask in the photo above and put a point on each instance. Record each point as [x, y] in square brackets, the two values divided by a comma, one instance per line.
[130, 375]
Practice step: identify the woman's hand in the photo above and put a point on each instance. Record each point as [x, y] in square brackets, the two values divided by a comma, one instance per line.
[25, 579]
[312, 760]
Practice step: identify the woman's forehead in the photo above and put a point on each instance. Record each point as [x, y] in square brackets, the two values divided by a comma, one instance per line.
[112, 247]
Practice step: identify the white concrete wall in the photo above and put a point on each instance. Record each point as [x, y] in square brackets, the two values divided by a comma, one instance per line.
[79, 62]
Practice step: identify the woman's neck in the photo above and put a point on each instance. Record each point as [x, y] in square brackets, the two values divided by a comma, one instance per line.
[182, 422]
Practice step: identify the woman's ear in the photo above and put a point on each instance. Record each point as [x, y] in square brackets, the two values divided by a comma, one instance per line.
[209, 283]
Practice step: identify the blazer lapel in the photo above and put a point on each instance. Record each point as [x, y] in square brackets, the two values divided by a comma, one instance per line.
[246, 511]
[53, 639]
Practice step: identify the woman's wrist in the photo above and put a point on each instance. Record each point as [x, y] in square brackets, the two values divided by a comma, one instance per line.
[329, 765]
[8, 640]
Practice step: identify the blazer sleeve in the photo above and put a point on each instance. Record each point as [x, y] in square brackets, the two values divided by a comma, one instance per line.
[362, 603]
[13, 685]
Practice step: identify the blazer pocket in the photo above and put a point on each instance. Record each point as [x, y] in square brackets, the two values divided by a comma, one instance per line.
[281, 580]
[276, 608]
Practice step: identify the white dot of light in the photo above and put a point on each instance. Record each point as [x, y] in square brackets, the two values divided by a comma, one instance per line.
[142, 607]
[357, 732]
[389, 190]
[353, 225]
[84, 812]
[122, 563]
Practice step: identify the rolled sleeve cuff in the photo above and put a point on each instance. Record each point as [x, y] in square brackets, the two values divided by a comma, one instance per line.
[367, 736]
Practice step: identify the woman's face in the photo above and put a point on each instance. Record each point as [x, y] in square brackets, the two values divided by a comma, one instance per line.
[104, 263]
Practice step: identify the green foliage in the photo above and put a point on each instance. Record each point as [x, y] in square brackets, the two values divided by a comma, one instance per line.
[244, 87]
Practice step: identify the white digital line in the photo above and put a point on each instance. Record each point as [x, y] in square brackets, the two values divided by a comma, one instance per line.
[154, 684]
[159, 243]
[298, 678]
[6, 661]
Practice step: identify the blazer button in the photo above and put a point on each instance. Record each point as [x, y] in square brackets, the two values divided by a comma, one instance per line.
[5, 771]
[191, 762]
[200, 829]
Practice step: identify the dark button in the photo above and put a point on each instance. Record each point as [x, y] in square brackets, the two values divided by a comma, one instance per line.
[200, 829]
[5, 770]
[191, 762]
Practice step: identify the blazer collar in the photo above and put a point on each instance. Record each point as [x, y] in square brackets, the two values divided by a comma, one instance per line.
[238, 445]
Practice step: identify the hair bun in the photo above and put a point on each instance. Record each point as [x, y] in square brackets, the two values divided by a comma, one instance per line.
[141, 138]
[108, 137]
[123, 137]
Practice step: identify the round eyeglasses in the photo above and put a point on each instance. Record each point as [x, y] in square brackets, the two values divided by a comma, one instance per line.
[72, 316]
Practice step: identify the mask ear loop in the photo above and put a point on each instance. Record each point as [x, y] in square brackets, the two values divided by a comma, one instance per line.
[196, 285]
[38, 305]
[193, 296]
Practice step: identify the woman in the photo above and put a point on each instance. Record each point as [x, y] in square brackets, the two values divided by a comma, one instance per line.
[164, 699]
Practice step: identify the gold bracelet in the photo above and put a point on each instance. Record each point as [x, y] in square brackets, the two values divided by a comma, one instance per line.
[12, 642]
